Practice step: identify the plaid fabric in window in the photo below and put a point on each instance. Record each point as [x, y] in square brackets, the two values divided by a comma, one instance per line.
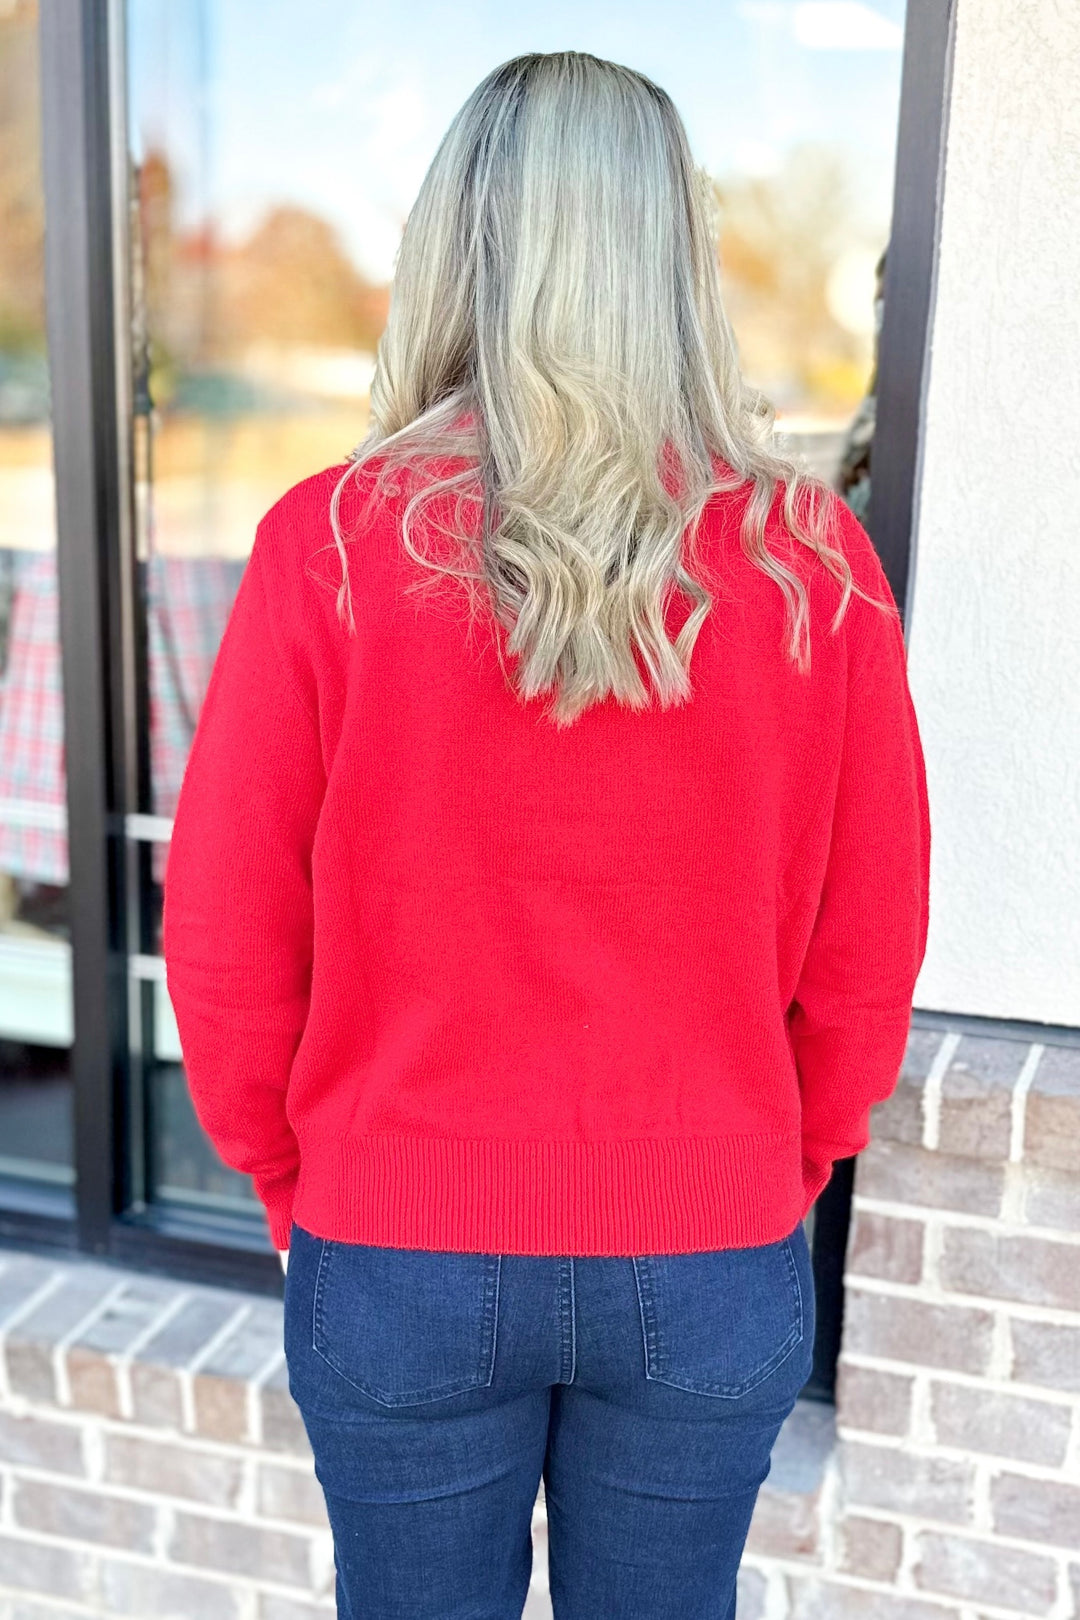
[188, 604]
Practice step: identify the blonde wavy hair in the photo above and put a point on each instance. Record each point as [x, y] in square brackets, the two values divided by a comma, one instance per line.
[556, 331]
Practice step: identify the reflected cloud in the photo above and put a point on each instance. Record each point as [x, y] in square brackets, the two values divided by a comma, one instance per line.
[844, 25]
[826, 25]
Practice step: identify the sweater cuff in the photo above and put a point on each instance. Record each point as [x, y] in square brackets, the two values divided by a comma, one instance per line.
[820, 1152]
[276, 1193]
[816, 1176]
[818, 1159]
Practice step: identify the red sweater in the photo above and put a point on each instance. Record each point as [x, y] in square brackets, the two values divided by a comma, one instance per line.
[448, 977]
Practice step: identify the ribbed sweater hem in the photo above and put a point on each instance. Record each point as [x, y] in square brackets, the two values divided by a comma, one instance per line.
[616, 1197]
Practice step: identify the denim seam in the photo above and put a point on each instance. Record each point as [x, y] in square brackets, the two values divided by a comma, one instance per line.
[489, 1340]
[566, 1319]
[573, 1319]
[647, 1310]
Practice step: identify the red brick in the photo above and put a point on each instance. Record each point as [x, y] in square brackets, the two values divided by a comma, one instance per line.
[221, 1385]
[884, 1246]
[84, 1515]
[786, 1524]
[180, 1339]
[899, 1118]
[750, 1595]
[985, 1420]
[290, 1493]
[241, 1549]
[155, 1396]
[982, 1572]
[900, 1481]
[1052, 1115]
[90, 1365]
[29, 1344]
[870, 1548]
[868, 1398]
[210, 1477]
[248, 1350]
[155, 1385]
[92, 1381]
[128, 1315]
[35, 1442]
[17, 1608]
[813, 1599]
[904, 1174]
[976, 1097]
[1036, 1509]
[282, 1426]
[221, 1411]
[1046, 1353]
[46, 1568]
[898, 1328]
[30, 1370]
[1038, 1271]
[1052, 1198]
[272, 1607]
[138, 1591]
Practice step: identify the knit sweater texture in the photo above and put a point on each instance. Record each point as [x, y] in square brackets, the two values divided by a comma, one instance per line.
[447, 976]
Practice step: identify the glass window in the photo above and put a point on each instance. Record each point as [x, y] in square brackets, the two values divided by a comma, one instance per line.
[275, 151]
[35, 960]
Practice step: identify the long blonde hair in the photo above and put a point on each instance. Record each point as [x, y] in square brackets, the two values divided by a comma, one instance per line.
[556, 326]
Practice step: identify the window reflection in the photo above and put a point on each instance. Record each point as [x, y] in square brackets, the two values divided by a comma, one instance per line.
[35, 967]
[275, 152]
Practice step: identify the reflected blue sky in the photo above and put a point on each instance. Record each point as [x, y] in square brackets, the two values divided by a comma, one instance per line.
[339, 106]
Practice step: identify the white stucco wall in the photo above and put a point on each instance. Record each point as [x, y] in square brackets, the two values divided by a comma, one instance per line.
[994, 646]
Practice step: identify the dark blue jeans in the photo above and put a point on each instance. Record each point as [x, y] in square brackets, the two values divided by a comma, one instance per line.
[438, 1388]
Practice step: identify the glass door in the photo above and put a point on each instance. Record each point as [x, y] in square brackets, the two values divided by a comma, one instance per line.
[273, 152]
[36, 1154]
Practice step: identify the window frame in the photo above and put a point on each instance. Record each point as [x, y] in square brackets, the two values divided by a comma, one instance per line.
[85, 168]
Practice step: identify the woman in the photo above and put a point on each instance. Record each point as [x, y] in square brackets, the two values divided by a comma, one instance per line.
[548, 888]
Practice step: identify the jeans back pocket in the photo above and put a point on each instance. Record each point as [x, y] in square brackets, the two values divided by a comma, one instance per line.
[721, 1321]
[406, 1325]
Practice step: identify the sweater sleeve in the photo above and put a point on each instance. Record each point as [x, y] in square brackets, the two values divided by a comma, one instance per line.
[237, 921]
[851, 1012]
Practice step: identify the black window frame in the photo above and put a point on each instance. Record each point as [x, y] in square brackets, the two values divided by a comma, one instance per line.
[84, 166]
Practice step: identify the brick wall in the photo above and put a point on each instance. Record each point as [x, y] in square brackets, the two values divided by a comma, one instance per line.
[152, 1463]
[953, 1492]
